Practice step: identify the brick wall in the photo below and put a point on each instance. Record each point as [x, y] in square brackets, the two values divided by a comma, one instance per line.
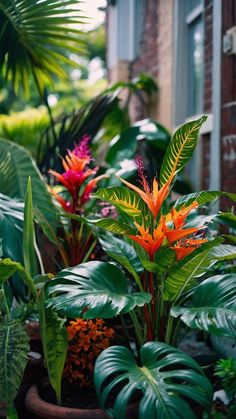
[228, 109]
[207, 98]
[155, 58]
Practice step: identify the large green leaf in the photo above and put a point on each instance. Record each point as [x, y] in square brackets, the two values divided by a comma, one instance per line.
[123, 253]
[202, 197]
[213, 306]
[29, 241]
[125, 146]
[181, 148]
[183, 274]
[14, 348]
[8, 267]
[125, 200]
[54, 339]
[114, 226]
[224, 252]
[16, 165]
[167, 378]
[35, 38]
[228, 219]
[93, 289]
[11, 228]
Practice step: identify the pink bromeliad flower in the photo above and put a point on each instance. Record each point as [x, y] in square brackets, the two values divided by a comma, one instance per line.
[76, 172]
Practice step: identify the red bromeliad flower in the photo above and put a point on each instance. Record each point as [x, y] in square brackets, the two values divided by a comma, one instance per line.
[150, 242]
[76, 172]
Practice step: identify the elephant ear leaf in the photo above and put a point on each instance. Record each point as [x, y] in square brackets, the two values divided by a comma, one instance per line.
[93, 289]
[167, 378]
[14, 348]
[180, 149]
[213, 306]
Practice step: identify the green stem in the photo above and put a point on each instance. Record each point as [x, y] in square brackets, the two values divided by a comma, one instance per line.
[137, 327]
[89, 251]
[6, 304]
[169, 329]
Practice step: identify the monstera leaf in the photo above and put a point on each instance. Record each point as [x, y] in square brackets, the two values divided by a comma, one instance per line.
[93, 289]
[213, 306]
[167, 378]
[16, 166]
[13, 358]
[181, 148]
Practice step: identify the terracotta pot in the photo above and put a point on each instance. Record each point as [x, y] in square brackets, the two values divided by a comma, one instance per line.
[45, 410]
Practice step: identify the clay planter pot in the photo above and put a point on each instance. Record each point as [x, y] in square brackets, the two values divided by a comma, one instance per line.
[45, 410]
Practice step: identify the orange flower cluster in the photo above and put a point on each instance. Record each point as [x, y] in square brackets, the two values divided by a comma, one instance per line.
[87, 339]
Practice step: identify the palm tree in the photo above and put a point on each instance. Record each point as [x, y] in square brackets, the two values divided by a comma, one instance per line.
[36, 37]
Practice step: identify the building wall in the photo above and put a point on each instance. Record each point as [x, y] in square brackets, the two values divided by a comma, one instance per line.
[228, 109]
[207, 95]
[155, 58]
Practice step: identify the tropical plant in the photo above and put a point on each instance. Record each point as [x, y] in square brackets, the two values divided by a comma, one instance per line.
[77, 240]
[24, 128]
[13, 337]
[36, 38]
[166, 257]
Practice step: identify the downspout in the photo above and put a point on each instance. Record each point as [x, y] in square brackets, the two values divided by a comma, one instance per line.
[215, 143]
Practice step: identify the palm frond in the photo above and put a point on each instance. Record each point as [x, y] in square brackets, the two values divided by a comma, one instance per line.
[35, 38]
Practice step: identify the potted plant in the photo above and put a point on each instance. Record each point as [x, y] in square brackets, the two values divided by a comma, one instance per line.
[167, 258]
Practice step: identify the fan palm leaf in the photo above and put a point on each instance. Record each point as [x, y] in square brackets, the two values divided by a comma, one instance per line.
[35, 38]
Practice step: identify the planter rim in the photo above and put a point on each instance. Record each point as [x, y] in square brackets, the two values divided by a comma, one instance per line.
[36, 405]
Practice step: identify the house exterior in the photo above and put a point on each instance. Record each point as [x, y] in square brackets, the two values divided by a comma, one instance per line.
[189, 48]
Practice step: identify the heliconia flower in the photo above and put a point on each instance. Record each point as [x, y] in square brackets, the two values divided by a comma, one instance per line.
[188, 246]
[179, 217]
[177, 234]
[153, 198]
[150, 242]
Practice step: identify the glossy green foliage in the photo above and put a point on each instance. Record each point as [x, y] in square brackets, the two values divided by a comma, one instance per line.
[213, 306]
[113, 226]
[36, 38]
[29, 242]
[13, 358]
[125, 146]
[54, 339]
[11, 228]
[93, 289]
[8, 268]
[181, 148]
[123, 253]
[16, 166]
[124, 200]
[183, 275]
[167, 378]
[202, 197]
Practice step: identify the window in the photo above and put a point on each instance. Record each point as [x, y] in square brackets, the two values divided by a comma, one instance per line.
[188, 71]
[188, 59]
